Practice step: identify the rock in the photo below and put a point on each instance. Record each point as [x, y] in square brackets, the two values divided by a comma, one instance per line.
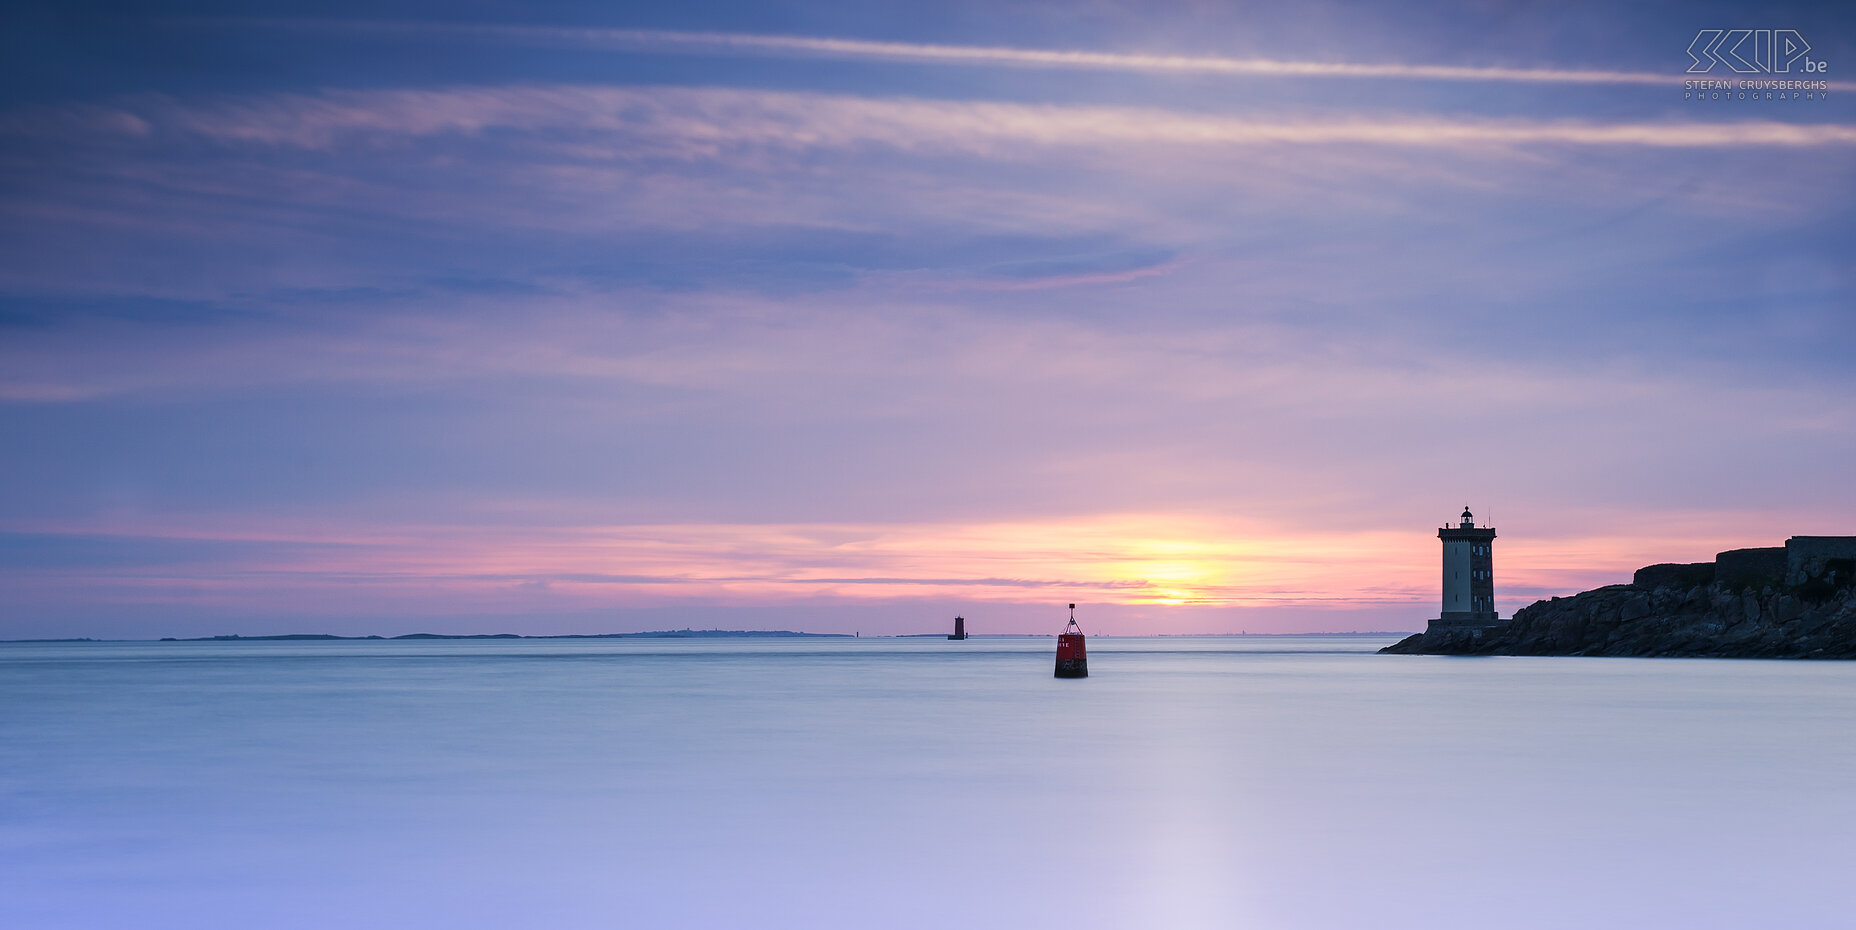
[1786, 608]
[1757, 603]
[1723, 619]
[1635, 609]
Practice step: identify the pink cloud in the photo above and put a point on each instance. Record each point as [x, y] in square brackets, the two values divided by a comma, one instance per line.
[708, 122]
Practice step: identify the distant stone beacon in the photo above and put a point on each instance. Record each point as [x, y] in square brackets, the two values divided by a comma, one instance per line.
[1469, 576]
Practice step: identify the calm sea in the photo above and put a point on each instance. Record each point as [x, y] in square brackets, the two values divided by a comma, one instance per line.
[1218, 782]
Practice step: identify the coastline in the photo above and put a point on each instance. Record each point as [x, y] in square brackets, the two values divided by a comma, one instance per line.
[1717, 620]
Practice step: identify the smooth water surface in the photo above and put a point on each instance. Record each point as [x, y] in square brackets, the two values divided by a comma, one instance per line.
[1218, 782]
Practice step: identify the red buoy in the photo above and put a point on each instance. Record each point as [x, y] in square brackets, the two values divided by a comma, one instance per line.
[1072, 660]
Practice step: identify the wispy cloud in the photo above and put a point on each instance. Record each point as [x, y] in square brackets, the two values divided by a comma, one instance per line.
[702, 122]
[743, 43]
[903, 184]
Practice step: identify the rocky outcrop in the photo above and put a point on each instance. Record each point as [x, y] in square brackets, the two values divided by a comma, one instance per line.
[1809, 613]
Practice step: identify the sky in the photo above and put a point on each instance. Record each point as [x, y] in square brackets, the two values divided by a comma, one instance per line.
[589, 317]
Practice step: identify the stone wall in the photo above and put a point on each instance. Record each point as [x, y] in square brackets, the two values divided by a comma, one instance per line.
[1674, 575]
[1808, 557]
[1755, 567]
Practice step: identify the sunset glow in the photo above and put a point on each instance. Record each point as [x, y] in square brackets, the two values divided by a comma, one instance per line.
[784, 320]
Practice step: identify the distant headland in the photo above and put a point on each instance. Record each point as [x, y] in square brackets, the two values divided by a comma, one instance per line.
[1796, 601]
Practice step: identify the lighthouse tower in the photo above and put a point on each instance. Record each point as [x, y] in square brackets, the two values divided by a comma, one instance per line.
[1469, 575]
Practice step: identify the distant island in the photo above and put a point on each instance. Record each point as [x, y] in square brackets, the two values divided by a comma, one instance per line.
[654, 634]
[1796, 601]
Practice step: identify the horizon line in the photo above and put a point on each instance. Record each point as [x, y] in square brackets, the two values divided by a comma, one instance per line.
[659, 634]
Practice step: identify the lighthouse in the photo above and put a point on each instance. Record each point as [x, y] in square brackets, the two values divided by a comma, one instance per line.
[1469, 576]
